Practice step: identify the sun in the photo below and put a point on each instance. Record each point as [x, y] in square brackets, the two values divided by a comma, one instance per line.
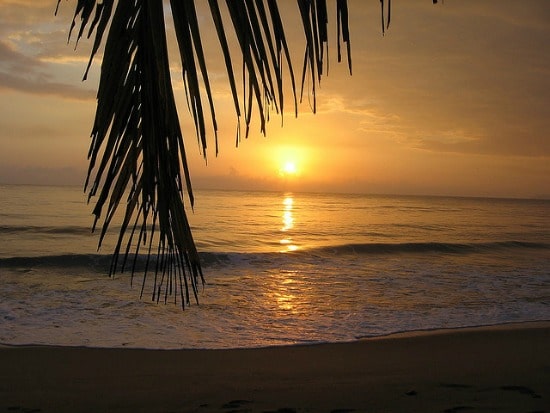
[289, 168]
[289, 162]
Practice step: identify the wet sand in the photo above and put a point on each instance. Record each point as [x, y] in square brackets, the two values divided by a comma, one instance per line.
[502, 368]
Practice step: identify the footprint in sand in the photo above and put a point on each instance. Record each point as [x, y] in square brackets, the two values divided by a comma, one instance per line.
[522, 390]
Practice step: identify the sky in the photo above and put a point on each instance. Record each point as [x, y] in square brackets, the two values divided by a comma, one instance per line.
[454, 100]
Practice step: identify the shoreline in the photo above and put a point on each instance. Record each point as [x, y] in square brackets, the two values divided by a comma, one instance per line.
[396, 334]
[503, 367]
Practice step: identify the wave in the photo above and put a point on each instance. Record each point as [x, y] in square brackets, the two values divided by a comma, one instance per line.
[35, 229]
[99, 261]
[430, 247]
[102, 262]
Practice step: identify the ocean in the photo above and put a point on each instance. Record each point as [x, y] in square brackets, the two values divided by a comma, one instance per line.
[280, 268]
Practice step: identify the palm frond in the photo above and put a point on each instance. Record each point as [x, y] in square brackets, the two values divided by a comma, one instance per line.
[138, 147]
[137, 154]
[384, 24]
[343, 30]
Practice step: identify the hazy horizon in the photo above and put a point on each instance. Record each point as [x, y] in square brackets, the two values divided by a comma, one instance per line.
[213, 186]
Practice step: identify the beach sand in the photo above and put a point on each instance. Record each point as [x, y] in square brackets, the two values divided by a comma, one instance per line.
[487, 369]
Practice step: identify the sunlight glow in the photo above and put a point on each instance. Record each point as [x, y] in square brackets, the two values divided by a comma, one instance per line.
[289, 168]
[290, 162]
[288, 224]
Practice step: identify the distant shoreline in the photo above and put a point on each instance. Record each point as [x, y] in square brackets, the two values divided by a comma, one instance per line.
[244, 189]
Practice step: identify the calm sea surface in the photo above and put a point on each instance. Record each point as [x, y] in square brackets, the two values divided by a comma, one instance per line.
[281, 268]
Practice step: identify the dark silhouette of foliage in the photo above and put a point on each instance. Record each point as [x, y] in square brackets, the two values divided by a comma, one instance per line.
[137, 150]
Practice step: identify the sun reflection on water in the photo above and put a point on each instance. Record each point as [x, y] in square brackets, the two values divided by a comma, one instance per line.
[288, 224]
[284, 292]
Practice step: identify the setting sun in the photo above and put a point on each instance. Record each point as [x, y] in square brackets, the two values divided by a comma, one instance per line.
[289, 168]
[289, 161]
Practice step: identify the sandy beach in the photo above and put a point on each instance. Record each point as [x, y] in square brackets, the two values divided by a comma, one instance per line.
[502, 368]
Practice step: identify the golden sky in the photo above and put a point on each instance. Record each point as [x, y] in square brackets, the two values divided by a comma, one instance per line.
[453, 100]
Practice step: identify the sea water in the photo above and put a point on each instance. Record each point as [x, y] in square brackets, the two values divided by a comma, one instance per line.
[280, 268]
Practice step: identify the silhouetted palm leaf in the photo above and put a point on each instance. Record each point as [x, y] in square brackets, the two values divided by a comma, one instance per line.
[137, 153]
